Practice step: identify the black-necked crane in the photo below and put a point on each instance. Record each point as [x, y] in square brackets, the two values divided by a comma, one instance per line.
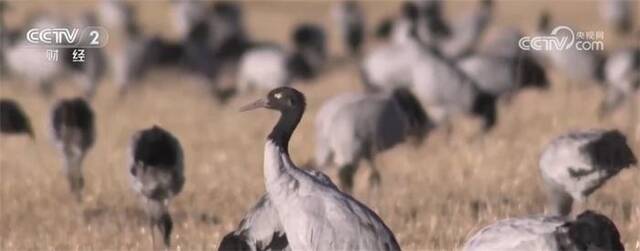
[73, 132]
[589, 231]
[156, 169]
[576, 164]
[315, 215]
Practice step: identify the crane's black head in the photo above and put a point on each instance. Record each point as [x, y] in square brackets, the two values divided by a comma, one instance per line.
[486, 3]
[75, 113]
[233, 242]
[383, 30]
[432, 12]
[291, 104]
[162, 52]
[611, 150]
[282, 99]
[419, 122]
[485, 107]
[156, 147]
[13, 119]
[228, 10]
[410, 11]
[590, 231]
[531, 73]
[309, 37]
[199, 32]
[351, 5]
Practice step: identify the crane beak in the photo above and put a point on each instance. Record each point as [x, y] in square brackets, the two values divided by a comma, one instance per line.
[260, 103]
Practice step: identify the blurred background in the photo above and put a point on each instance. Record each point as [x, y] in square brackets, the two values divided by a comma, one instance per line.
[155, 70]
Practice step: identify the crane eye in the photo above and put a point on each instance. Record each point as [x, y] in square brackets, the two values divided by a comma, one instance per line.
[278, 95]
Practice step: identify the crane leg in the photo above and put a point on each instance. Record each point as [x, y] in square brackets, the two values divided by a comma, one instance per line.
[374, 183]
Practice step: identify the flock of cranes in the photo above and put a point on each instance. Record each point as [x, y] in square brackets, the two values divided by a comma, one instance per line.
[425, 71]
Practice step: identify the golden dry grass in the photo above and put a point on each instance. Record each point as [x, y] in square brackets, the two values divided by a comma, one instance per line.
[433, 196]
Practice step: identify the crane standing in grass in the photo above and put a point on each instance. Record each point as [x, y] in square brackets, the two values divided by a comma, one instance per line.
[73, 131]
[356, 126]
[315, 215]
[156, 169]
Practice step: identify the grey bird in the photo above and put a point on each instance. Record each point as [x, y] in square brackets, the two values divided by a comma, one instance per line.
[445, 90]
[260, 228]
[267, 66]
[315, 215]
[389, 66]
[576, 164]
[356, 126]
[263, 67]
[13, 119]
[589, 231]
[156, 169]
[73, 132]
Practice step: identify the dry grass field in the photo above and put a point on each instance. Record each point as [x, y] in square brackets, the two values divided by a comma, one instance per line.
[433, 196]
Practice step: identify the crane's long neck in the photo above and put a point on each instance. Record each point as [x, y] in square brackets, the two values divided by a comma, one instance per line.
[276, 154]
[283, 130]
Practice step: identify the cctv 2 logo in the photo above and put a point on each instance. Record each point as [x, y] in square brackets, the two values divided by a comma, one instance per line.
[90, 37]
